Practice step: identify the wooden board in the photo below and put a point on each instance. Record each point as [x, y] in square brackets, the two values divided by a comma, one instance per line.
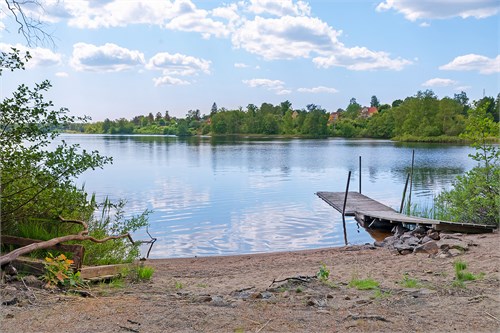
[355, 202]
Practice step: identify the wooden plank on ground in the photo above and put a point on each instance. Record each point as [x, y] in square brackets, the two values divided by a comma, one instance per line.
[96, 271]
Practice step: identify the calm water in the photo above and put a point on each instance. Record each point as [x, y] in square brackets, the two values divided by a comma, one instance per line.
[234, 196]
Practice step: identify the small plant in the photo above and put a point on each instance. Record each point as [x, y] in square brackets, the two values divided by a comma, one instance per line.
[363, 284]
[408, 282]
[202, 285]
[461, 275]
[379, 294]
[178, 285]
[299, 290]
[323, 273]
[59, 272]
[459, 266]
[145, 273]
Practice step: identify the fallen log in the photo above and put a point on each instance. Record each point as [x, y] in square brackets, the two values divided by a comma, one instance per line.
[81, 236]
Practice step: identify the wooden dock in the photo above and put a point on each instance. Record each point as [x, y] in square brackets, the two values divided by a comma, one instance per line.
[369, 212]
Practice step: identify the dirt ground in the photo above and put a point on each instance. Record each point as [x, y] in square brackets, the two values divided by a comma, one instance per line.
[243, 294]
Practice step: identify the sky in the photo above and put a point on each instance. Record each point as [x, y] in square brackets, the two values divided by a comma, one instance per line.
[122, 58]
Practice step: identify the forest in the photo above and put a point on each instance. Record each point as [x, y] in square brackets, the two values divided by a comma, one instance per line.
[422, 117]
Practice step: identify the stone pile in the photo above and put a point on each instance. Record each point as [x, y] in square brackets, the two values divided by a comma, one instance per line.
[425, 240]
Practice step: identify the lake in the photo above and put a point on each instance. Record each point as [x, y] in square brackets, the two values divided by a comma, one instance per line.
[225, 196]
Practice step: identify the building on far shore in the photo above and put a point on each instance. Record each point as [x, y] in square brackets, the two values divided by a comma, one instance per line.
[367, 112]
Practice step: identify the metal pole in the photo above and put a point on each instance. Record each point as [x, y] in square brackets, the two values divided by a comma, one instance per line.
[343, 208]
[411, 177]
[360, 174]
[404, 194]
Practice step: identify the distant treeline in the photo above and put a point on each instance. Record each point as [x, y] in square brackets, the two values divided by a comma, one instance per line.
[422, 117]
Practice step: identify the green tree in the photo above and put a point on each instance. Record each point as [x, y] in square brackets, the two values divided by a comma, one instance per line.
[36, 180]
[475, 196]
[353, 109]
[374, 102]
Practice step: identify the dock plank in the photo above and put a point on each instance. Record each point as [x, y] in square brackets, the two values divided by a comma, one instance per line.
[355, 202]
[367, 209]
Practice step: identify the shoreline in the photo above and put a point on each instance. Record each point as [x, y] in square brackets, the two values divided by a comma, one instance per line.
[279, 292]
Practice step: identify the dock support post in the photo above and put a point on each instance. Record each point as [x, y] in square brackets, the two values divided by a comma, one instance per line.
[404, 194]
[360, 174]
[411, 177]
[343, 208]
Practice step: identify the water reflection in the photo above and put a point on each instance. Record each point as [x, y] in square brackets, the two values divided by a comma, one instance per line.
[219, 196]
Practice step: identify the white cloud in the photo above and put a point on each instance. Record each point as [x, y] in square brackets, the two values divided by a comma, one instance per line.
[189, 18]
[442, 9]
[424, 24]
[439, 82]
[277, 86]
[283, 92]
[317, 90]
[279, 7]
[361, 59]
[62, 74]
[178, 64]
[266, 83]
[40, 57]
[304, 37]
[462, 88]
[168, 80]
[173, 65]
[474, 62]
[106, 58]
[286, 37]
[240, 65]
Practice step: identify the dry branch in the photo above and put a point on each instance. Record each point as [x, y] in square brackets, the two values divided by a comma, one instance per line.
[81, 236]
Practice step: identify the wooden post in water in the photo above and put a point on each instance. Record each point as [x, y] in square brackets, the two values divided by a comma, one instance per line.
[360, 174]
[404, 194]
[343, 208]
[411, 177]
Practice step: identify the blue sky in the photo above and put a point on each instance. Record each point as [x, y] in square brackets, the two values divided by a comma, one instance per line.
[120, 58]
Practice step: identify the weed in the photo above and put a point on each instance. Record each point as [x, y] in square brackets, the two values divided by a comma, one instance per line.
[59, 272]
[145, 273]
[178, 285]
[461, 275]
[299, 290]
[379, 294]
[459, 266]
[408, 282]
[323, 273]
[363, 284]
[202, 285]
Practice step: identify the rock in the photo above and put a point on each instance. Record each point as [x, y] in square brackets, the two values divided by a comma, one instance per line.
[429, 247]
[434, 235]
[405, 252]
[447, 243]
[379, 244]
[286, 294]
[420, 230]
[451, 236]
[347, 298]
[426, 239]
[454, 252]
[444, 255]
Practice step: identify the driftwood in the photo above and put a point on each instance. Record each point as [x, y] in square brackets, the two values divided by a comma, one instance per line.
[81, 236]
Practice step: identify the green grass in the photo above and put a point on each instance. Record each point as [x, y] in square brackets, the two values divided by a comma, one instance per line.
[364, 284]
[408, 282]
[461, 275]
[379, 294]
[178, 285]
[145, 273]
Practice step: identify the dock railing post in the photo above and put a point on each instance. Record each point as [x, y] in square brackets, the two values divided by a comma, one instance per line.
[343, 208]
[404, 194]
[360, 175]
